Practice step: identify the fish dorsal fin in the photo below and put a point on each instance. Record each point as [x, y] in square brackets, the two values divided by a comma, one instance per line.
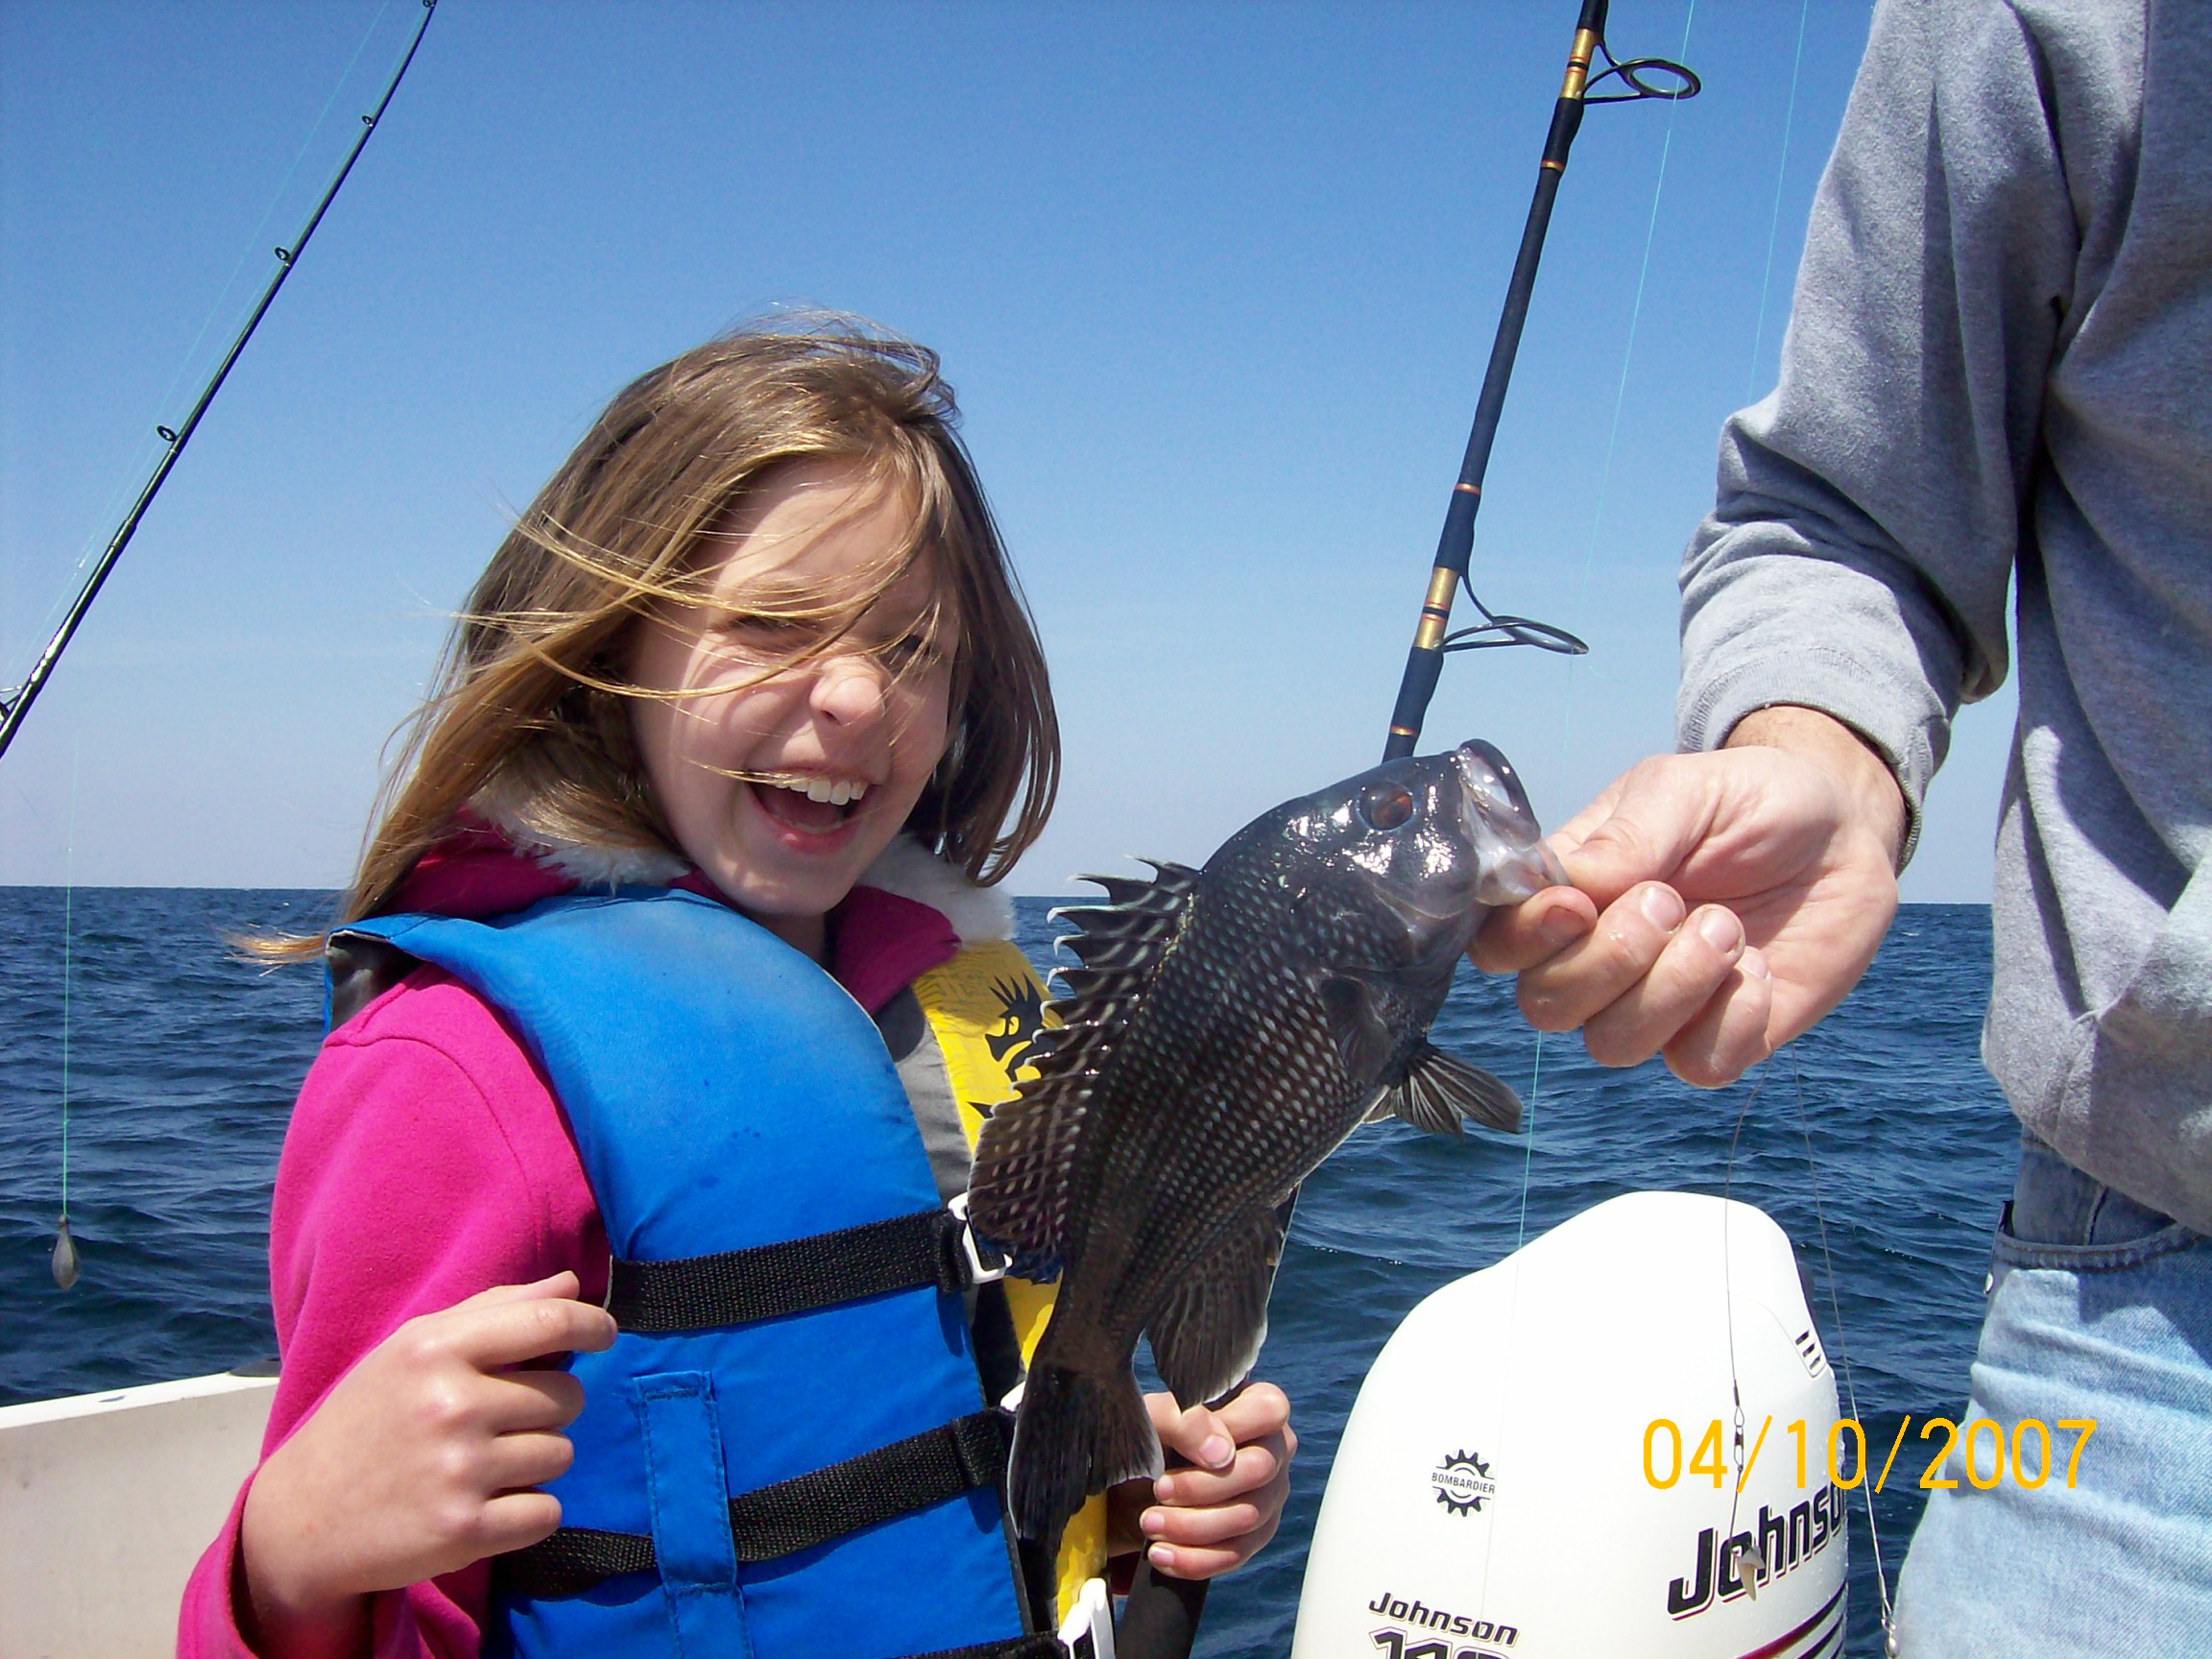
[1440, 1089]
[1019, 1193]
[1120, 945]
[1206, 1335]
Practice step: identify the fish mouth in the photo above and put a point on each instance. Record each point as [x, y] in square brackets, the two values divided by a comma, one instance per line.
[1513, 859]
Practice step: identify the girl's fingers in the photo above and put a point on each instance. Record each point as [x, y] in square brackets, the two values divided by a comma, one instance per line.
[517, 1520]
[516, 1463]
[562, 1286]
[1255, 1465]
[1198, 1433]
[1697, 959]
[528, 1328]
[527, 1400]
[1197, 1559]
[1222, 1525]
[1259, 1409]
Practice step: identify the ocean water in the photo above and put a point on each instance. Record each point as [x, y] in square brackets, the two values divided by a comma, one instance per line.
[181, 1063]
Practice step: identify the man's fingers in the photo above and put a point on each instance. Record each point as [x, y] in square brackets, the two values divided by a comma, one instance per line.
[510, 1333]
[1696, 960]
[1571, 834]
[1517, 937]
[1564, 992]
[1731, 1034]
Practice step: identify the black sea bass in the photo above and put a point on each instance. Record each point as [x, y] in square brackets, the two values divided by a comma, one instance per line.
[1227, 1029]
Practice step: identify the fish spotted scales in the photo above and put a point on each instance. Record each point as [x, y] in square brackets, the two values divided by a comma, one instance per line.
[1227, 1029]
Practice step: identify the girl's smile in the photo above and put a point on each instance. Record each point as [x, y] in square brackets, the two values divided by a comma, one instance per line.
[785, 755]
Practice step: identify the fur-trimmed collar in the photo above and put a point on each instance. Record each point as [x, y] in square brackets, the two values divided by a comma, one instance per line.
[910, 870]
[906, 868]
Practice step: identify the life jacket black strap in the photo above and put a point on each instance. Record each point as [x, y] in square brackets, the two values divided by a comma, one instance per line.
[892, 1480]
[792, 1276]
[792, 1515]
[1042, 1646]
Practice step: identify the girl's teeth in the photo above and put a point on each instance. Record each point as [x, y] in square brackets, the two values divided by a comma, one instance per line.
[834, 794]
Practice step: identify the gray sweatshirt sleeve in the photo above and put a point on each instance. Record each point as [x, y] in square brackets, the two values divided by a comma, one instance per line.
[1858, 557]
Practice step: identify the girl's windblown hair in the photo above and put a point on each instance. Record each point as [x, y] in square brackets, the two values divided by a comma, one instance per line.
[531, 708]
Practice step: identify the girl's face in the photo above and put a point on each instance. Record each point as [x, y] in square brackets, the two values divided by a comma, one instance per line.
[834, 751]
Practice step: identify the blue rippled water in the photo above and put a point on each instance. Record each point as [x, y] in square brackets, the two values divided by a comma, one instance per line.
[182, 1064]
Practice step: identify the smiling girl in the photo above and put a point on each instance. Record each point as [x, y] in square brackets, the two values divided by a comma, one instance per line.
[620, 1302]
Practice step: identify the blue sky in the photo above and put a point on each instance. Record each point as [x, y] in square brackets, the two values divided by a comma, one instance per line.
[1216, 283]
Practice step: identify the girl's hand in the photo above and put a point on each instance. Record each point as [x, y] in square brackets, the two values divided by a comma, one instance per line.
[1216, 1515]
[421, 1460]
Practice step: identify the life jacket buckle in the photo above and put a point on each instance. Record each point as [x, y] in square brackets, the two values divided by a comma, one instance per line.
[972, 1248]
[1088, 1630]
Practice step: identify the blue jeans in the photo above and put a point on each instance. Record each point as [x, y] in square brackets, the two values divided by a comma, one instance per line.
[2099, 1309]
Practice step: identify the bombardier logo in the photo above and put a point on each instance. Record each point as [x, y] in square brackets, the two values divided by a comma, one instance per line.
[1462, 1481]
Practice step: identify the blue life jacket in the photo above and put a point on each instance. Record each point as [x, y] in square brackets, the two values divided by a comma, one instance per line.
[729, 1098]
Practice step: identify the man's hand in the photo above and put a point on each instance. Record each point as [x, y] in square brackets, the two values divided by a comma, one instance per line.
[1721, 905]
[1199, 1523]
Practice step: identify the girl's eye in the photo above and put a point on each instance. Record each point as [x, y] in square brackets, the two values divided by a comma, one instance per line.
[753, 622]
[780, 631]
[915, 650]
[1385, 806]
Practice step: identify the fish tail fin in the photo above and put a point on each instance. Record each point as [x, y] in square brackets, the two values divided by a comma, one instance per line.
[1076, 1433]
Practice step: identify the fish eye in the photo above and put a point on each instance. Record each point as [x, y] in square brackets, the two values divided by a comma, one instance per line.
[1385, 806]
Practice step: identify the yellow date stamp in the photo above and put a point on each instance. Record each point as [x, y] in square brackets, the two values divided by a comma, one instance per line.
[2024, 1457]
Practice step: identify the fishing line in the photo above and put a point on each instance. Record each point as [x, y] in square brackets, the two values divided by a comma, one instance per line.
[1843, 1352]
[64, 1259]
[117, 498]
[1628, 357]
[1521, 631]
[1596, 526]
[1797, 1078]
[1728, 1311]
[1637, 79]
[15, 702]
[1774, 218]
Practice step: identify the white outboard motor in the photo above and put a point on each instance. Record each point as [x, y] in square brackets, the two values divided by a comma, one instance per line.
[1529, 1472]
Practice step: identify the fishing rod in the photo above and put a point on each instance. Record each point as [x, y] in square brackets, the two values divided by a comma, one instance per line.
[15, 703]
[1432, 637]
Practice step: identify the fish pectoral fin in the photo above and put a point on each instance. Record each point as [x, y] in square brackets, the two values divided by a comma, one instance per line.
[1364, 1040]
[1206, 1335]
[1440, 1089]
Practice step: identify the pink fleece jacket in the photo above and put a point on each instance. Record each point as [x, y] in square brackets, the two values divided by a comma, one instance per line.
[427, 1161]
